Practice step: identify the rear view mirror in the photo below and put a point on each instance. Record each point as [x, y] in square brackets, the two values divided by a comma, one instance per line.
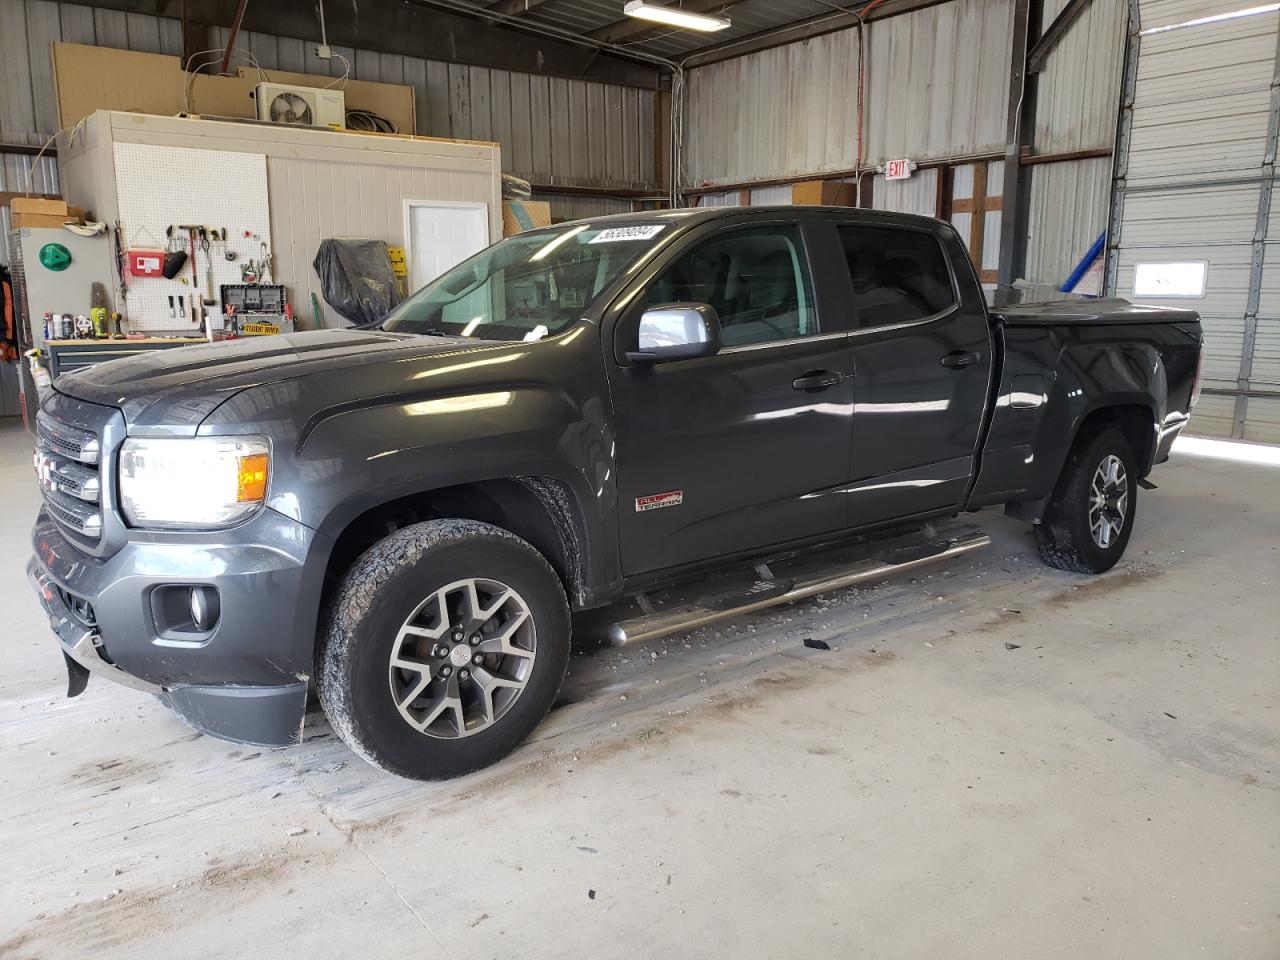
[676, 331]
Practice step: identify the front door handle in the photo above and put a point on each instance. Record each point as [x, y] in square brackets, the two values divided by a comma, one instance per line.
[817, 380]
[959, 358]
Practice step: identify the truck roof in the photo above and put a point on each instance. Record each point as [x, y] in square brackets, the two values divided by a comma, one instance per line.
[689, 216]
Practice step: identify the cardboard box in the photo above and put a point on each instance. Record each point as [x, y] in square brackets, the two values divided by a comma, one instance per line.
[40, 212]
[42, 205]
[827, 193]
[521, 215]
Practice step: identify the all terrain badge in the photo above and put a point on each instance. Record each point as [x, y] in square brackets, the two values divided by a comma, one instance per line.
[672, 498]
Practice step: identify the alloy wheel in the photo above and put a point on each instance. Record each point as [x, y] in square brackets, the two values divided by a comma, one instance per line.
[1108, 501]
[462, 658]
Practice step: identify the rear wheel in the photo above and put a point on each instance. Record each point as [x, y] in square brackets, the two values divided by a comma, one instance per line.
[1087, 524]
[446, 646]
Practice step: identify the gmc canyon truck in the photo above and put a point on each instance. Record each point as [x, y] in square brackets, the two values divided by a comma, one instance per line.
[705, 411]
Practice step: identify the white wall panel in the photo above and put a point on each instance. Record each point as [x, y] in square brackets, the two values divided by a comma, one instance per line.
[319, 185]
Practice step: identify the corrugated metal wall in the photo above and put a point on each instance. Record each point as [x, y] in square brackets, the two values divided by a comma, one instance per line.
[1079, 86]
[23, 173]
[552, 130]
[777, 113]
[1069, 205]
[919, 194]
[935, 87]
[1197, 187]
[568, 207]
[937, 81]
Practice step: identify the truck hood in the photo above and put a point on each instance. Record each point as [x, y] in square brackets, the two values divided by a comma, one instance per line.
[178, 388]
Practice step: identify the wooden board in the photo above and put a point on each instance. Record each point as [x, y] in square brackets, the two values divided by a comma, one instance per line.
[88, 78]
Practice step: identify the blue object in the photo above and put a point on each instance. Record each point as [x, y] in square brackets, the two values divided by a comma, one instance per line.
[1085, 262]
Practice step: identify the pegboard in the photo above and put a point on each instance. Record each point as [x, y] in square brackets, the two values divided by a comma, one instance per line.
[158, 187]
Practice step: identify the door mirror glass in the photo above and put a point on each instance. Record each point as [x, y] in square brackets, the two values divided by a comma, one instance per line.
[677, 331]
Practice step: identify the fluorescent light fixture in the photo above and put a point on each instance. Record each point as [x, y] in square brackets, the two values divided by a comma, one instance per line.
[1214, 18]
[674, 16]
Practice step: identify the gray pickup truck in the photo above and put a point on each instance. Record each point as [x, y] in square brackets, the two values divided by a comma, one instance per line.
[684, 415]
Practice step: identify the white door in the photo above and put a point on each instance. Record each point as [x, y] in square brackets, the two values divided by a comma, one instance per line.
[441, 235]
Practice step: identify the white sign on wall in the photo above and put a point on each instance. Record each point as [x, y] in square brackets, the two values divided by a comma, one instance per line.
[897, 169]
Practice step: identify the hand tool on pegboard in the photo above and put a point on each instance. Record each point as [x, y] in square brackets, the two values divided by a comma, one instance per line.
[175, 258]
[208, 267]
[191, 240]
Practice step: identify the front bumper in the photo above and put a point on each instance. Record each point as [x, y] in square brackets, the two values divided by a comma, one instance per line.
[247, 680]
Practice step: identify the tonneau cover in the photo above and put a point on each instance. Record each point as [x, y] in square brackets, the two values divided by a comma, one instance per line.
[1111, 311]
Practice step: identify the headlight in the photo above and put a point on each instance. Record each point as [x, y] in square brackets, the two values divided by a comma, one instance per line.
[193, 482]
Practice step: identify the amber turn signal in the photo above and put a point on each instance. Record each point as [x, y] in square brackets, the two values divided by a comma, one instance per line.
[251, 484]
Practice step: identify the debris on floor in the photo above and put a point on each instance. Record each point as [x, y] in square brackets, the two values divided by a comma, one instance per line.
[813, 644]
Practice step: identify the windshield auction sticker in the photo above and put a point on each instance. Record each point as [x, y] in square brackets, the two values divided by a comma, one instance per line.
[618, 234]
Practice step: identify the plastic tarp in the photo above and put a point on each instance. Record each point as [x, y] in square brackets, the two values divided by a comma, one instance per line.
[356, 279]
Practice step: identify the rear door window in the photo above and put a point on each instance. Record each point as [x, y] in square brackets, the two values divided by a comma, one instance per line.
[756, 279]
[899, 276]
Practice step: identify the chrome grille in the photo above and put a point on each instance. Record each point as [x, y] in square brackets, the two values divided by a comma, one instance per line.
[79, 445]
[76, 480]
[65, 461]
[79, 516]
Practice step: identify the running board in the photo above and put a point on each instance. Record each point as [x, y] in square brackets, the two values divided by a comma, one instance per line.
[789, 579]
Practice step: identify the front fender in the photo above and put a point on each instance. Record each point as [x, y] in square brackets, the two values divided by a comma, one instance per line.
[356, 459]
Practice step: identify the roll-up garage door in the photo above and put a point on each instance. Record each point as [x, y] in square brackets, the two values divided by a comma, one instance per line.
[1195, 222]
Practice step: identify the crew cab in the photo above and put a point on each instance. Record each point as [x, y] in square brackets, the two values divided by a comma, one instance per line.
[694, 412]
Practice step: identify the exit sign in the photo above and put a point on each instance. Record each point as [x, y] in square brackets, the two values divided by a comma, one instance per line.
[897, 169]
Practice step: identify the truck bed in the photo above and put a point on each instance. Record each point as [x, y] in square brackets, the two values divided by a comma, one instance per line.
[1112, 310]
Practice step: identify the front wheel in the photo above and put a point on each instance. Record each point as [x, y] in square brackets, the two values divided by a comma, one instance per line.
[1087, 524]
[446, 646]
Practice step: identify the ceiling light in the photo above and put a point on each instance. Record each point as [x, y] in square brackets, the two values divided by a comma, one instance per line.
[674, 16]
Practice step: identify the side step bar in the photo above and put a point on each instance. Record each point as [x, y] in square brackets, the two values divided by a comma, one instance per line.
[784, 581]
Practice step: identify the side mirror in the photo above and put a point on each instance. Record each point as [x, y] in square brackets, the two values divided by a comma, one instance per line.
[676, 331]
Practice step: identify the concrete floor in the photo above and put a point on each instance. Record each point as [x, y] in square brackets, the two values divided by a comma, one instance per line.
[1107, 787]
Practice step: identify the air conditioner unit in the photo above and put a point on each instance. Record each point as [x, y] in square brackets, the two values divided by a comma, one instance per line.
[301, 106]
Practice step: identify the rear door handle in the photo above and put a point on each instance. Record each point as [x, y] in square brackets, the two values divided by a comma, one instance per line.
[816, 380]
[959, 358]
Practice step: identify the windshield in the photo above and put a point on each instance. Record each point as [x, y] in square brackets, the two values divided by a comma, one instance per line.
[527, 287]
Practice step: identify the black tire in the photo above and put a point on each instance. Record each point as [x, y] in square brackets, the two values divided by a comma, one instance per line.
[383, 589]
[1065, 535]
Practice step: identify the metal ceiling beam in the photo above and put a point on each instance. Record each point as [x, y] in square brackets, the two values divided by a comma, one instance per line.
[513, 8]
[416, 29]
[805, 29]
[633, 28]
[1053, 36]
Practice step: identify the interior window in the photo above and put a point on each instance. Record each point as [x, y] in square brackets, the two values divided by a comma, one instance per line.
[898, 275]
[756, 279]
